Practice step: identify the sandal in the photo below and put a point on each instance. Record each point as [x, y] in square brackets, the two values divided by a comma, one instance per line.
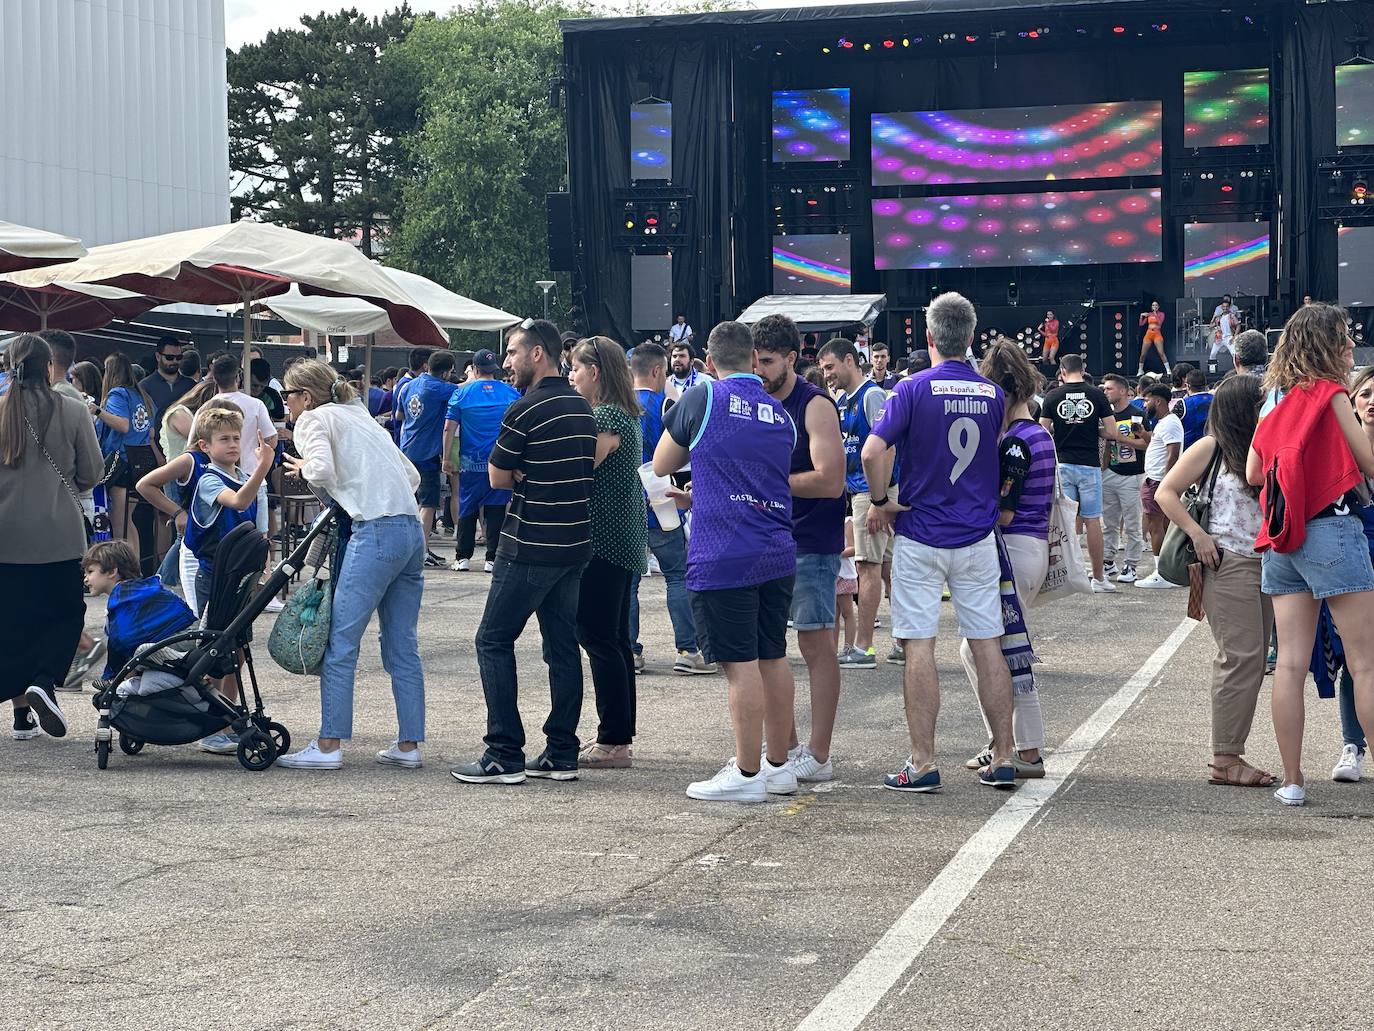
[1240, 774]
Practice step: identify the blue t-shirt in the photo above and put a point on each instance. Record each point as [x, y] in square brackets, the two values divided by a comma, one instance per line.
[127, 404]
[422, 404]
[478, 408]
[1192, 412]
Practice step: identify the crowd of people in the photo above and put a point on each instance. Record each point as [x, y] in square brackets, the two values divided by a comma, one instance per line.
[809, 480]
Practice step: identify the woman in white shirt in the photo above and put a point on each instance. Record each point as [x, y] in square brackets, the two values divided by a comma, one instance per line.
[345, 453]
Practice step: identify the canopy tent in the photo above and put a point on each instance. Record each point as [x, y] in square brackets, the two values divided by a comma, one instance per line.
[242, 263]
[70, 306]
[22, 247]
[818, 311]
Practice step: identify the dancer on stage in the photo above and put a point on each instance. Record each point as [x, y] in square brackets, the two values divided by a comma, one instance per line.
[1225, 325]
[1049, 329]
[1153, 321]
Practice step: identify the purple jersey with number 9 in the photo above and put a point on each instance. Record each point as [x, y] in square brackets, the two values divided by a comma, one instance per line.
[945, 423]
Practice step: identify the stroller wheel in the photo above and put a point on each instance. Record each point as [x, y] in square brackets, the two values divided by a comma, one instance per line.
[281, 736]
[128, 745]
[102, 754]
[257, 751]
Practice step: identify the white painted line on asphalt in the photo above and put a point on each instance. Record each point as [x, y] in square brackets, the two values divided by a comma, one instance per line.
[851, 1001]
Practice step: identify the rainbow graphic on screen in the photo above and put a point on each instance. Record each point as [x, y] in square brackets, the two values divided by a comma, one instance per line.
[1226, 109]
[811, 264]
[1233, 257]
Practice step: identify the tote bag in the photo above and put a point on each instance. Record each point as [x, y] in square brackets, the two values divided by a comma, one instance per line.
[1065, 574]
[301, 632]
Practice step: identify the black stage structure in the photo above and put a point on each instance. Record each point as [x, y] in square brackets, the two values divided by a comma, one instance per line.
[728, 197]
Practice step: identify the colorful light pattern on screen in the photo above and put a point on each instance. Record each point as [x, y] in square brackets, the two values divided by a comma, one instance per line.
[651, 141]
[1355, 105]
[1009, 229]
[811, 125]
[1355, 266]
[1075, 141]
[816, 263]
[1226, 109]
[1227, 257]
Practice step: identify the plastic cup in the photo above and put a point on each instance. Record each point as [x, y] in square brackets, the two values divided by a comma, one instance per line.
[656, 487]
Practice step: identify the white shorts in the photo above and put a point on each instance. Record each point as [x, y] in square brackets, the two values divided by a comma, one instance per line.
[919, 576]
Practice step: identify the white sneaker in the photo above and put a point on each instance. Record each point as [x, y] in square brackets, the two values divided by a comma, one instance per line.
[1349, 767]
[220, 744]
[311, 758]
[460, 565]
[1155, 582]
[1140, 372]
[1127, 574]
[1292, 794]
[792, 753]
[778, 780]
[729, 785]
[1103, 587]
[393, 756]
[487, 567]
[1109, 571]
[808, 769]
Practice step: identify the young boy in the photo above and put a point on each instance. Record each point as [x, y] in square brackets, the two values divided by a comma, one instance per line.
[140, 610]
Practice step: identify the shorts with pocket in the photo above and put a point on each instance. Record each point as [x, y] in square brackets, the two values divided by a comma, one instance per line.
[743, 624]
[920, 574]
[1083, 483]
[813, 592]
[867, 547]
[1332, 560]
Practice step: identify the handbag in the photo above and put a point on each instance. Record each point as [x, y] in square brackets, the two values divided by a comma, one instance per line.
[1178, 553]
[301, 633]
[76, 498]
[1065, 574]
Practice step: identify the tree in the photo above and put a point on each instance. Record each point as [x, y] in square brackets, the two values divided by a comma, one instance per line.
[489, 149]
[317, 119]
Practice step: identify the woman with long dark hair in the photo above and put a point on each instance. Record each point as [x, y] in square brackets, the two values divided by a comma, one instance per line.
[48, 456]
[620, 540]
[1238, 613]
[124, 417]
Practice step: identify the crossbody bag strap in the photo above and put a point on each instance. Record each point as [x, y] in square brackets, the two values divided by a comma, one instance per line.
[1212, 472]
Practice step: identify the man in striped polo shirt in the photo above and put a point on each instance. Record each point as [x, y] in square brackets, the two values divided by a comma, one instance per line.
[544, 455]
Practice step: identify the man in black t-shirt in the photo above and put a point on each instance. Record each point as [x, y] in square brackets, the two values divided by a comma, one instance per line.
[1121, 483]
[1078, 415]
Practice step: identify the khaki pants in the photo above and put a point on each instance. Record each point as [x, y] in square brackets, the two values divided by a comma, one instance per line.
[1241, 618]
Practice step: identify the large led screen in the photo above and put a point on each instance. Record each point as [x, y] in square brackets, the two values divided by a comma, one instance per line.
[1011, 144]
[1227, 257]
[811, 125]
[1355, 271]
[1355, 105]
[1078, 228]
[811, 264]
[651, 141]
[1226, 109]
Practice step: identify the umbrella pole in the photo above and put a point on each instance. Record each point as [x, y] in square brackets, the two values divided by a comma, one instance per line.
[367, 365]
[247, 341]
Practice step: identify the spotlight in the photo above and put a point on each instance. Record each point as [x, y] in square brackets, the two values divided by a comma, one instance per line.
[825, 50]
[630, 218]
[970, 39]
[674, 217]
[846, 44]
[1033, 34]
[906, 42]
[1359, 190]
[1118, 29]
[1227, 186]
[888, 44]
[1013, 293]
[868, 46]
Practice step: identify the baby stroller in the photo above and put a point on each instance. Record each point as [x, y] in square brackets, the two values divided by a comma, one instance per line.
[193, 708]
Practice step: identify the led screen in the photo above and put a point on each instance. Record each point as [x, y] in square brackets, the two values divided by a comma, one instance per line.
[1355, 270]
[651, 291]
[1355, 105]
[811, 125]
[1227, 257]
[1226, 109]
[811, 264]
[651, 141]
[1010, 144]
[1083, 227]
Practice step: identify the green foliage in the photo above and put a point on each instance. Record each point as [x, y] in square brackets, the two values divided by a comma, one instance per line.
[317, 116]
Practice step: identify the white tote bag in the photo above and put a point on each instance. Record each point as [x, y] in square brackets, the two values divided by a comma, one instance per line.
[1065, 575]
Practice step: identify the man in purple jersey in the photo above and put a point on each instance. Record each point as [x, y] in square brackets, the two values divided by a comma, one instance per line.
[740, 556]
[817, 481]
[945, 424]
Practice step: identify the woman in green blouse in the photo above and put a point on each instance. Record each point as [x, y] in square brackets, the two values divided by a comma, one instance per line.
[619, 544]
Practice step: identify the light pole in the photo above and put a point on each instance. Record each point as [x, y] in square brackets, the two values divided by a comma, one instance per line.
[546, 285]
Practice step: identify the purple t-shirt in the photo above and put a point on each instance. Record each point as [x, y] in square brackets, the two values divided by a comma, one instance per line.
[945, 423]
[1032, 518]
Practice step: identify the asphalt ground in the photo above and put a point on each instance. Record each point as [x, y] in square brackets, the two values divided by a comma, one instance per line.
[177, 890]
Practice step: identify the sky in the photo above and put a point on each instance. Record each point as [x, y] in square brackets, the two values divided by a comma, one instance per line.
[248, 21]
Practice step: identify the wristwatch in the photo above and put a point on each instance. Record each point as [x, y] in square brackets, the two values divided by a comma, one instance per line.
[878, 502]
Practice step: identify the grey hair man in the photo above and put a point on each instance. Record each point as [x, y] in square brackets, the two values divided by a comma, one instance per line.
[1251, 352]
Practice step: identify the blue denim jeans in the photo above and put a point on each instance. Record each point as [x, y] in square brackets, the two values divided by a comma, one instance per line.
[520, 590]
[670, 548]
[170, 570]
[1351, 731]
[382, 572]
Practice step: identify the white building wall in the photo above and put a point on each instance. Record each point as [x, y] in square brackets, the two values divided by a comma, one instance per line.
[113, 116]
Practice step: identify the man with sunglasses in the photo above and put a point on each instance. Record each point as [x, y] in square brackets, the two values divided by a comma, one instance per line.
[166, 384]
[545, 454]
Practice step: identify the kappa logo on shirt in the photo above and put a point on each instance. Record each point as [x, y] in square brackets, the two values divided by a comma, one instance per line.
[414, 406]
[1015, 450]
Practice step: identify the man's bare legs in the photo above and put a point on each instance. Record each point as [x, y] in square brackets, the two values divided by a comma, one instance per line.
[744, 684]
[778, 696]
[870, 594]
[823, 668]
[921, 687]
[1093, 527]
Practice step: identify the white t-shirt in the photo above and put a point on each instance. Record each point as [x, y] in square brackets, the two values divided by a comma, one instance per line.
[1169, 430]
[1225, 324]
[678, 332]
[255, 419]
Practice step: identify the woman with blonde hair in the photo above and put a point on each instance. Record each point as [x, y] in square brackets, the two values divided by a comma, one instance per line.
[1310, 456]
[620, 540]
[345, 453]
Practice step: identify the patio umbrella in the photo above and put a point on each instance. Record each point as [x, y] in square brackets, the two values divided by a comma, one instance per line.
[242, 263]
[69, 306]
[22, 247]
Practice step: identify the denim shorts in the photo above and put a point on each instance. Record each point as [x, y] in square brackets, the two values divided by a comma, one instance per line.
[1083, 483]
[813, 592]
[1333, 559]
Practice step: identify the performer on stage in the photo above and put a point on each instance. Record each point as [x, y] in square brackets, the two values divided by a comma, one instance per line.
[1153, 321]
[1049, 329]
[1225, 325]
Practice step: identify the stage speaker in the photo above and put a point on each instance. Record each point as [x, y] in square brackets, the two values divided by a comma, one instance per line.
[651, 292]
[562, 247]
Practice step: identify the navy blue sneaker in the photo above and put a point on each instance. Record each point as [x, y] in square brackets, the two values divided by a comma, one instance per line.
[1003, 776]
[925, 780]
[549, 768]
[487, 770]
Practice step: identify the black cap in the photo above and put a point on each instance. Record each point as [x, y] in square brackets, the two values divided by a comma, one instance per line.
[485, 361]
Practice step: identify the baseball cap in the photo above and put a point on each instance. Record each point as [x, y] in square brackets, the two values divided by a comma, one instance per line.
[486, 361]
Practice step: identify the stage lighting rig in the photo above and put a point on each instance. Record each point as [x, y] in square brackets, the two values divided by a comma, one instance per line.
[631, 217]
[1359, 190]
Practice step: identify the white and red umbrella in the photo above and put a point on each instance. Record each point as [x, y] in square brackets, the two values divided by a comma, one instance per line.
[70, 306]
[22, 247]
